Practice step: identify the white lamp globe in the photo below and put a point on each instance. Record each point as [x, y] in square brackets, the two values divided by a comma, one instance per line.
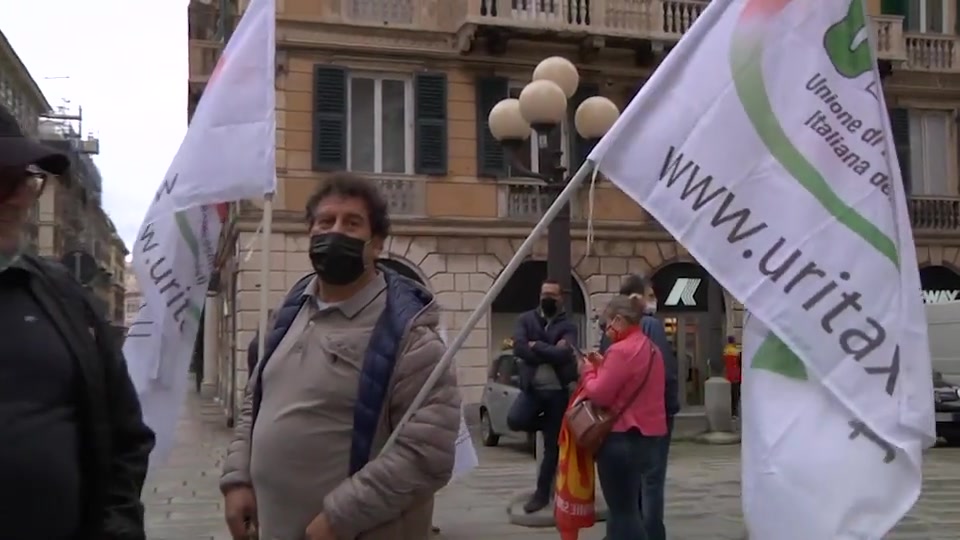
[595, 116]
[559, 71]
[542, 102]
[506, 123]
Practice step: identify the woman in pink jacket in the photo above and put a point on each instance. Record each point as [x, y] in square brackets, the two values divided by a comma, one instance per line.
[628, 380]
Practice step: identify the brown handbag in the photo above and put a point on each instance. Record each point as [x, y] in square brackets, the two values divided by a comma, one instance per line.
[589, 424]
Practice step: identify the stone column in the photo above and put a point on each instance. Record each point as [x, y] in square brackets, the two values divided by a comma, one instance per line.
[211, 369]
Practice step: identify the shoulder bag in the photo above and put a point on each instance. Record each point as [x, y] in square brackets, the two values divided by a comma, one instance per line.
[589, 424]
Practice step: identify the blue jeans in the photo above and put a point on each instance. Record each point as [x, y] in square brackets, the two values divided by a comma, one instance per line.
[652, 495]
[623, 462]
[541, 410]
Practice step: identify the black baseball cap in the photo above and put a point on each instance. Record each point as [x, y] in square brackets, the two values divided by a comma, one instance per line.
[18, 150]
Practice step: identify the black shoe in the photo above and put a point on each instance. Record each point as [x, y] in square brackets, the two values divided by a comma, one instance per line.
[536, 504]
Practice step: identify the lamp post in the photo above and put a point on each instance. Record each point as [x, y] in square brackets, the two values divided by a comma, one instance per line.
[542, 107]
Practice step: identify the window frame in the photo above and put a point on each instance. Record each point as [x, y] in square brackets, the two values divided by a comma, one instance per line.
[409, 119]
[921, 184]
[564, 127]
[922, 16]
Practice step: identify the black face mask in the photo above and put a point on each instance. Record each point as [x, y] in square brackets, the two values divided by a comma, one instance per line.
[548, 306]
[337, 258]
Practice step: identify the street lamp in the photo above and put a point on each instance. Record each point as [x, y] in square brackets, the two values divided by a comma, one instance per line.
[542, 107]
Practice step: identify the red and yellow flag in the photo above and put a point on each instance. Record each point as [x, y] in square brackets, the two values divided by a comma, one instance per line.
[574, 508]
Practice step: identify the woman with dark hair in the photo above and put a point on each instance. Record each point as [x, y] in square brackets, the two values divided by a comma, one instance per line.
[627, 381]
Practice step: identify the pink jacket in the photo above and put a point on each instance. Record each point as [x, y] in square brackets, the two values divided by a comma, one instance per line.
[612, 383]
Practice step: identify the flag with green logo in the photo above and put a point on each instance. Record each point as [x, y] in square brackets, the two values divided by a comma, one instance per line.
[762, 144]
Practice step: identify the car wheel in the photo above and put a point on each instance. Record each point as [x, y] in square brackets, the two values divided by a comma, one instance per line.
[486, 430]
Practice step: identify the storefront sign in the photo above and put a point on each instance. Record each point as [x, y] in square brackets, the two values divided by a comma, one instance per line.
[681, 287]
[683, 292]
[939, 285]
[940, 297]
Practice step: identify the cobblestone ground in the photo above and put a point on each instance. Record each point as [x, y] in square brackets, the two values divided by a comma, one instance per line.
[183, 502]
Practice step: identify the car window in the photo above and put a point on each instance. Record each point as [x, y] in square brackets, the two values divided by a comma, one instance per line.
[506, 368]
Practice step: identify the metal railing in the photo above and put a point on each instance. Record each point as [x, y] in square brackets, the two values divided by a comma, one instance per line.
[935, 213]
[527, 200]
[663, 19]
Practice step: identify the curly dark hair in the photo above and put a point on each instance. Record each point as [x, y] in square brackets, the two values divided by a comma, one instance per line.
[358, 187]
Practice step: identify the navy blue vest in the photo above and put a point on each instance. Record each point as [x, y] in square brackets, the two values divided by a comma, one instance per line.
[405, 299]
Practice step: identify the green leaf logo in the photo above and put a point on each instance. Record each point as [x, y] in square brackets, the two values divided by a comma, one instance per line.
[849, 61]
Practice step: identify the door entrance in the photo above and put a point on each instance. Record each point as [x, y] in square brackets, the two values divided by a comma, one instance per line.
[687, 336]
[685, 293]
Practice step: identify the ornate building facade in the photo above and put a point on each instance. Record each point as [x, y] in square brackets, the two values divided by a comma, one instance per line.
[400, 90]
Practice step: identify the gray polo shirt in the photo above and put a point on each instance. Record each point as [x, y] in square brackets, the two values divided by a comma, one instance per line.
[302, 437]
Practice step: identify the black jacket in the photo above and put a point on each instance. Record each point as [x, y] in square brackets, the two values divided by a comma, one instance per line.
[532, 327]
[115, 442]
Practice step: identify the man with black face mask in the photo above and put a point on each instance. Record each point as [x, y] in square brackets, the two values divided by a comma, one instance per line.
[350, 348]
[544, 340]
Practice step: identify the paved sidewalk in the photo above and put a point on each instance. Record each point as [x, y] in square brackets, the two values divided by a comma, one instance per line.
[184, 503]
[183, 496]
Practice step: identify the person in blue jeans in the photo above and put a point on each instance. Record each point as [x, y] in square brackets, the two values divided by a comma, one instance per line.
[544, 339]
[652, 491]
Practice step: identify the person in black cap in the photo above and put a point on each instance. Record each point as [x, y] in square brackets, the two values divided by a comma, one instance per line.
[75, 447]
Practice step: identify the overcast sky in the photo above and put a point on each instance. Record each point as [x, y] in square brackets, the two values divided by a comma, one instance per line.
[125, 62]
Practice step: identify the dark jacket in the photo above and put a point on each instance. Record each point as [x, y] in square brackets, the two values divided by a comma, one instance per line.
[405, 299]
[115, 442]
[653, 329]
[532, 326]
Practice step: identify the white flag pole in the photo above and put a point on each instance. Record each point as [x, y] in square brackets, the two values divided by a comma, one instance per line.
[266, 226]
[525, 248]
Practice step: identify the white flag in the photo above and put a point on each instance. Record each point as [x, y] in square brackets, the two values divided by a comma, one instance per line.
[465, 459]
[762, 144]
[227, 154]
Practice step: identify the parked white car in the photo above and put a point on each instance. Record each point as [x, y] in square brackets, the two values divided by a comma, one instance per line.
[501, 390]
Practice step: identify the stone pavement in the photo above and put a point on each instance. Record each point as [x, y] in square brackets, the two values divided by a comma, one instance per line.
[184, 503]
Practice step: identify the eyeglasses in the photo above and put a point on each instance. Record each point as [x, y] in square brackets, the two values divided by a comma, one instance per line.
[32, 179]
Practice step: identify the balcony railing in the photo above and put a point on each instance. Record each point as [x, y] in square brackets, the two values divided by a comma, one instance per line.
[931, 52]
[888, 34]
[406, 197]
[417, 14]
[657, 19]
[935, 213]
[918, 51]
[527, 200]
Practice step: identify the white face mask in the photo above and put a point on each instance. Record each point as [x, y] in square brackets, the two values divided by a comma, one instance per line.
[650, 308]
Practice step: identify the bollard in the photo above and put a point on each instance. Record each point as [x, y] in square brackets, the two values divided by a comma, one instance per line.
[717, 402]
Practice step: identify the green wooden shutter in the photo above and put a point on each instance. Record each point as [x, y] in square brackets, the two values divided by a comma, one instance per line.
[329, 118]
[900, 126]
[956, 18]
[430, 123]
[893, 7]
[579, 147]
[491, 161]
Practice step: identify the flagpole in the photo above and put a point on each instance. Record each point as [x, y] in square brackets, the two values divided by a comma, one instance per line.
[525, 248]
[266, 226]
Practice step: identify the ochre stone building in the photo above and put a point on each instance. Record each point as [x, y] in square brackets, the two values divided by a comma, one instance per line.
[400, 90]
